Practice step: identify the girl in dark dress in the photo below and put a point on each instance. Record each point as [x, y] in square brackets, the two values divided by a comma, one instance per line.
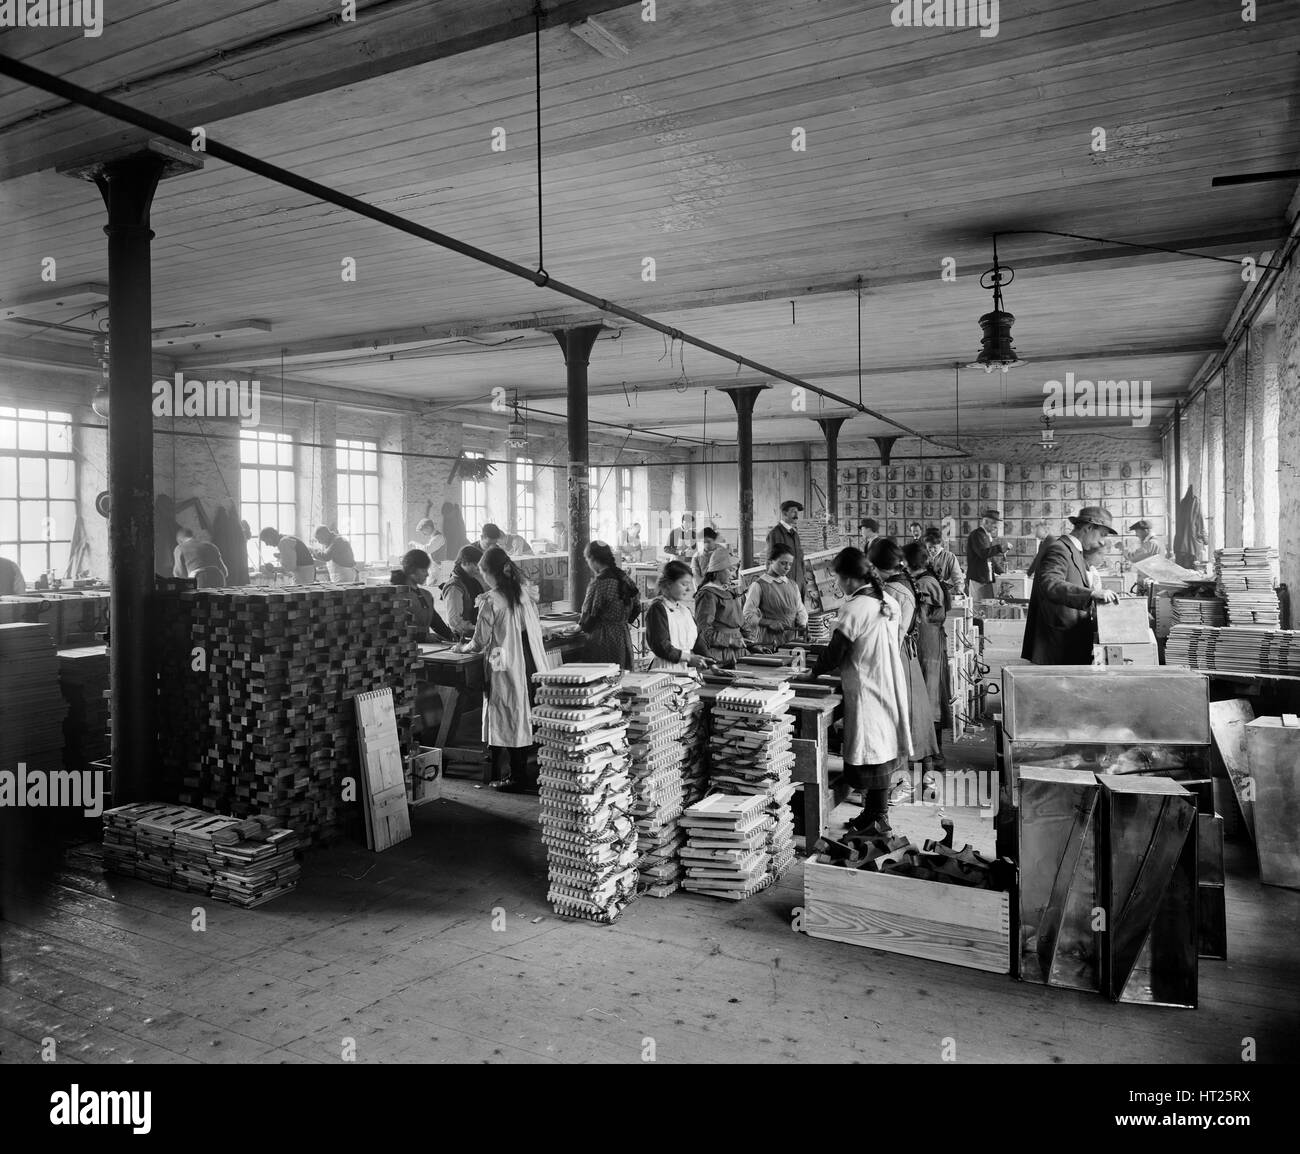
[612, 603]
[933, 603]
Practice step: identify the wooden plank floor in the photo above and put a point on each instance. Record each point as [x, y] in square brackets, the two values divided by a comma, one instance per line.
[398, 953]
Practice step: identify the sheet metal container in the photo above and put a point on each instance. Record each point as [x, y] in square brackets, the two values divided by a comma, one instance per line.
[1105, 705]
[1273, 750]
[1148, 891]
[1211, 904]
[1057, 842]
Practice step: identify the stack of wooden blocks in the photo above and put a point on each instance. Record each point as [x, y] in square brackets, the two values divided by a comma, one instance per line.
[256, 689]
[586, 791]
[726, 852]
[655, 728]
[32, 709]
[83, 677]
[751, 752]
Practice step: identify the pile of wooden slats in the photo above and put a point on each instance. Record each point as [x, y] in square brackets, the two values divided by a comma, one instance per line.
[655, 729]
[83, 678]
[751, 753]
[256, 689]
[586, 792]
[694, 768]
[726, 852]
[247, 862]
[32, 709]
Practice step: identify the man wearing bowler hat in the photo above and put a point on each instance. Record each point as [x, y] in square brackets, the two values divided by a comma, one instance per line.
[982, 551]
[1058, 626]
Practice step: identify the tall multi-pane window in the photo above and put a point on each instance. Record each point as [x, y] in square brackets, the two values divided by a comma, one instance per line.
[525, 499]
[358, 496]
[38, 490]
[473, 500]
[266, 481]
[626, 501]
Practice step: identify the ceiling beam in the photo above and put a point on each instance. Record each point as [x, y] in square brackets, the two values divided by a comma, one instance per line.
[320, 54]
[397, 340]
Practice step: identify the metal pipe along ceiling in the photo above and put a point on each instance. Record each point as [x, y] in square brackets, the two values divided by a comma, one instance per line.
[105, 106]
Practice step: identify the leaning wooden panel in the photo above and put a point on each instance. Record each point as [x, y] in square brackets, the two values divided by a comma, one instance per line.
[954, 924]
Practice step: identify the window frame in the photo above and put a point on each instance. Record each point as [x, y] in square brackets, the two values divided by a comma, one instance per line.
[365, 543]
[56, 516]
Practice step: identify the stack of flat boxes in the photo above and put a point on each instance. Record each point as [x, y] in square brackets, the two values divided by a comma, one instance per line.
[694, 769]
[264, 724]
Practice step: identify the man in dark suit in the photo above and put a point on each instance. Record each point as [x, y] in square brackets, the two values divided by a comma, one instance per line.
[982, 553]
[786, 532]
[1058, 627]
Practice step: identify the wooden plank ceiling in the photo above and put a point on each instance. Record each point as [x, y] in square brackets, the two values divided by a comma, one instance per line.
[920, 144]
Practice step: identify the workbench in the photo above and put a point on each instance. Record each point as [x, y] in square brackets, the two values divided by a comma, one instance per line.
[458, 677]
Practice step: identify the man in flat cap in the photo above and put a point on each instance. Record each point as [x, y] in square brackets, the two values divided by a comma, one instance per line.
[982, 551]
[1058, 626]
[1146, 547]
[785, 532]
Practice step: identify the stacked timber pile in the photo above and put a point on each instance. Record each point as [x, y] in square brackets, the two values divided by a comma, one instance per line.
[693, 769]
[83, 678]
[586, 793]
[726, 853]
[655, 729]
[256, 689]
[1247, 579]
[32, 709]
[246, 862]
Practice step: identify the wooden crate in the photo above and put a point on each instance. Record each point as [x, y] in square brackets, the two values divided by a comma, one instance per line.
[900, 915]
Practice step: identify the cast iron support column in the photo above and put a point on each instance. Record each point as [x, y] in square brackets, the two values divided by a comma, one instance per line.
[127, 183]
[830, 427]
[127, 187]
[576, 345]
[743, 397]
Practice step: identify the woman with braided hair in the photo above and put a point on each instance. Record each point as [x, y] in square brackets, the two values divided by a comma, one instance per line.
[865, 648]
[887, 558]
[933, 603]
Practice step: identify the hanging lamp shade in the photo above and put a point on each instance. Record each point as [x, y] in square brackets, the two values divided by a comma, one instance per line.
[996, 348]
[99, 403]
[517, 435]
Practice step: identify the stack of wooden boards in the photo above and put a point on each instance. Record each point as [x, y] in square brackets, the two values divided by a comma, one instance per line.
[1198, 611]
[32, 709]
[751, 754]
[1247, 579]
[694, 769]
[726, 853]
[655, 729]
[586, 791]
[246, 862]
[83, 677]
[256, 688]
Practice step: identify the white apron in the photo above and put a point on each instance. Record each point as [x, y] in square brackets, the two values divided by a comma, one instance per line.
[875, 684]
[507, 715]
[682, 632]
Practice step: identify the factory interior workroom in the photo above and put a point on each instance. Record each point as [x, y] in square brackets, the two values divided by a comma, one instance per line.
[748, 531]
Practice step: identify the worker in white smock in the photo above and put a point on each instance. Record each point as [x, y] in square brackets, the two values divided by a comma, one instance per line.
[865, 648]
[670, 628]
[509, 635]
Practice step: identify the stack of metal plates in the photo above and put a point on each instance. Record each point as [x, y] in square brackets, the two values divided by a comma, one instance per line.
[1247, 579]
[586, 793]
[655, 729]
[726, 852]
[1240, 649]
[751, 752]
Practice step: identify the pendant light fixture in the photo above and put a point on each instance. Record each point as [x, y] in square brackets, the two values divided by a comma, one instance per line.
[517, 430]
[1048, 438]
[996, 349]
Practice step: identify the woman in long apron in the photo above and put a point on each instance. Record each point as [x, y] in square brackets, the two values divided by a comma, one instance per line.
[611, 604]
[719, 614]
[933, 603]
[865, 647]
[509, 635]
[670, 628]
[774, 604]
[887, 558]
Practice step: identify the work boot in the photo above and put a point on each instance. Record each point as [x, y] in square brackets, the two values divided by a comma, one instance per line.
[940, 762]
